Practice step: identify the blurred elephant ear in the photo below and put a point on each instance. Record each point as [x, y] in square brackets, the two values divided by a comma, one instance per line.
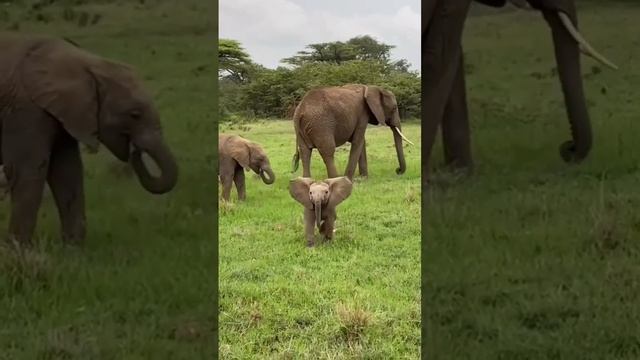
[240, 151]
[299, 190]
[373, 97]
[58, 79]
[339, 190]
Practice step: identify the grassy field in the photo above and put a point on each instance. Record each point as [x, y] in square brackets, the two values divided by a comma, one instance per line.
[532, 258]
[142, 288]
[357, 297]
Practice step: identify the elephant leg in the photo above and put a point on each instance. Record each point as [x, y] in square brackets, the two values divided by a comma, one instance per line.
[238, 179]
[328, 158]
[26, 146]
[327, 230]
[226, 169]
[227, 182]
[309, 226]
[456, 137]
[66, 182]
[362, 162]
[305, 156]
[354, 156]
[441, 51]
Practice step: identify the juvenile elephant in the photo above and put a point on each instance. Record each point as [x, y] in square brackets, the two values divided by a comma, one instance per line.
[443, 80]
[54, 95]
[235, 154]
[320, 199]
[329, 117]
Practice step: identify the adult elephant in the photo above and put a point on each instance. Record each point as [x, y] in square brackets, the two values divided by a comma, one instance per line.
[329, 117]
[235, 154]
[54, 95]
[443, 83]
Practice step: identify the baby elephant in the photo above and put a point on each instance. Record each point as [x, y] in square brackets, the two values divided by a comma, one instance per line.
[320, 199]
[235, 154]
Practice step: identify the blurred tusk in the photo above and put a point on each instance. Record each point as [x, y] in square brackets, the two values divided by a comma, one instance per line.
[402, 136]
[585, 48]
[521, 4]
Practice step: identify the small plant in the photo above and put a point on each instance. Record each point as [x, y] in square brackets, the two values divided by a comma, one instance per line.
[23, 265]
[353, 321]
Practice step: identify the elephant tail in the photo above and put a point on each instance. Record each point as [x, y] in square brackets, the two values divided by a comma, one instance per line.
[295, 162]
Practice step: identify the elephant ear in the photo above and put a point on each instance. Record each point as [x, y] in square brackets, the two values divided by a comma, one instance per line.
[374, 97]
[57, 78]
[339, 190]
[299, 190]
[240, 151]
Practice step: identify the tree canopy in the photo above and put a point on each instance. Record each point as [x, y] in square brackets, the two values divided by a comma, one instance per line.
[249, 90]
[233, 61]
[362, 47]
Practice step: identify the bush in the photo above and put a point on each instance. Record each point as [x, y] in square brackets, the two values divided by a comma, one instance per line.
[273, 93]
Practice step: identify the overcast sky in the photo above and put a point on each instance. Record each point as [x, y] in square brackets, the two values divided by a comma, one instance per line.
[271, 30]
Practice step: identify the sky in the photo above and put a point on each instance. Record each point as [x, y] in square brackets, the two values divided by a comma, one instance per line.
[271, 30]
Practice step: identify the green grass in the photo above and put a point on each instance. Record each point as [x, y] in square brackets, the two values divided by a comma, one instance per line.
[356, 297]
[532, 258]
[142, 287]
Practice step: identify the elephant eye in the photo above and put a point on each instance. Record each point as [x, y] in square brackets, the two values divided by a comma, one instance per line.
[135, 113]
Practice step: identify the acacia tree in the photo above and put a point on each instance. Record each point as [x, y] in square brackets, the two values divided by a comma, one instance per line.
[234, 63]
[362, 47]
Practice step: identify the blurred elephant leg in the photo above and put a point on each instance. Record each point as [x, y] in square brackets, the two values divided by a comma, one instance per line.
[238, 179]
[28, 137]
[66, 182]
[455, 124]
[227, 182]
[362, 162]
[440, 62]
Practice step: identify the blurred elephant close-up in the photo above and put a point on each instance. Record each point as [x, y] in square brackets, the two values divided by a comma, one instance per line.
[444, 101]
[55, 95]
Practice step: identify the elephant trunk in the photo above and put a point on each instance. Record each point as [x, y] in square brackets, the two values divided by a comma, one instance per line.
[568, 61]
[397, 139]
[267, 175]
[157, 149]
[318, 209]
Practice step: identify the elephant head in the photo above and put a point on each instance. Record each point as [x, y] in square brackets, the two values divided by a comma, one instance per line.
[562, 18]
[100, 101]
[384, 107]
[315, 195]
[251, 156]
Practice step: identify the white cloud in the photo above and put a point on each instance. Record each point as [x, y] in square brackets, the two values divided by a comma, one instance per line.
[271, 30]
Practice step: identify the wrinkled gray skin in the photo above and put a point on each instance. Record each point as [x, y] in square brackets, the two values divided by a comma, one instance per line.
[236, 154]
[319, 199]
[329, 117]
[54, 95]
[4, 184]
[443, 81]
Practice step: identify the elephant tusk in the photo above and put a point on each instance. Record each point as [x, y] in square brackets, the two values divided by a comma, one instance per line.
[402, 136]
[521, 5]
[585, 47]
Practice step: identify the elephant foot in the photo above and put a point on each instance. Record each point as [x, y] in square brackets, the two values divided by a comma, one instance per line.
[12, 242]
[73, 241]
